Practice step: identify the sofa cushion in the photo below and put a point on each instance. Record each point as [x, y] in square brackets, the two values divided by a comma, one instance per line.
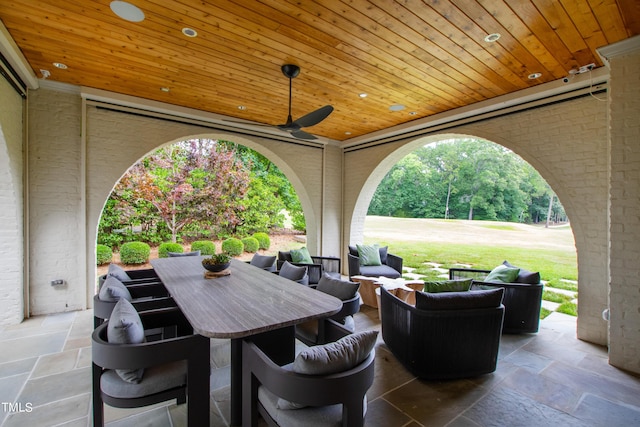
[113, 290]
[338, 288]
[525, 276]
[369, 254]
[125, 327]
[118, 272]
[156, 378]
[456, 285]
[379, 270]
[459, 300]
[342, 355]
[301, 256]
[502, 273]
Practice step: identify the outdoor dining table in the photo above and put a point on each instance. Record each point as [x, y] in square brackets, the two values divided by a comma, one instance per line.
[249, 303]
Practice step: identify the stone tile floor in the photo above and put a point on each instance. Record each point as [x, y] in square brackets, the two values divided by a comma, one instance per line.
[544, 379]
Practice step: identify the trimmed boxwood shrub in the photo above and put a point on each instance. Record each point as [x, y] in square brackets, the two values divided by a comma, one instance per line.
[204, 246]
[251, 244]
[165, 248]
[134, 253]
[232, 246]
[104, 254]
[263, 240]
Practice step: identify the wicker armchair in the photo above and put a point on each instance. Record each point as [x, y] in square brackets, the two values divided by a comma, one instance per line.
[442, 344]
[321, 264]
[391, 265]
[522, 301]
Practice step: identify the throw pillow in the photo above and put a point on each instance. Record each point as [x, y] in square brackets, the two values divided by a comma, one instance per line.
[118, 272]
[369, 255]
[125, 327]
[301, 256]
[292, 272]
[344, 354]
[457, 285]
[341, 289]
[113, 290]
[502, 273]
[459, 300]
[525, 276]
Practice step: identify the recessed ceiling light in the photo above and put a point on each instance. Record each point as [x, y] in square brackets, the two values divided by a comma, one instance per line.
[165, 89]
[397, 107]
[492, 38]
[347, 133]
[242, 107]
[60, 65]
[189, 32]
[127, 11]
[362, 95]
[413, 113]
[534, 76]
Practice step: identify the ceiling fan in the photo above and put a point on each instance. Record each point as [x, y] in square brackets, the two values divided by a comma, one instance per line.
[294, 127]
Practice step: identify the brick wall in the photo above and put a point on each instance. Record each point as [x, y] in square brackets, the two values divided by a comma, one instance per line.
[56, 210]
[624, 294]
[11, 201]
[566, 143]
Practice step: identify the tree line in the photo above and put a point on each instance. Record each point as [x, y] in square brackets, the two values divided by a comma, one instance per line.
[198, 189]
[466, 179]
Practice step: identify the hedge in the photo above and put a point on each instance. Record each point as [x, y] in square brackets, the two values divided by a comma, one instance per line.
[134, 253]
[165, 248]
[233, 246]
[104, 254]
[251, 244]
[263, 240]
[204, 246]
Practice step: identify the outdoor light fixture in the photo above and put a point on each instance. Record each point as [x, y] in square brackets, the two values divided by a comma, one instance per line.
[534, 76]
[492, 37]
[60, 65]
[189, 32]
[127, 11]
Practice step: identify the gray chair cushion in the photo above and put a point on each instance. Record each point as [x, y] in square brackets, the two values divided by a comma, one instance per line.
[117, 272]
[379, 270]
[344, 354]
[113, 290]
[178, 254]
[459, 300]
[125, 327]
[156, 378]
[265, 262]
[341, 289]
[292, 272]
[330, 415]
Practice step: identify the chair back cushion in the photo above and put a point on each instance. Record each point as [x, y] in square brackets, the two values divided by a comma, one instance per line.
[292, 272]
[342, 355]
[113, 290]
[341, 289]
[125, 327]
[301, 256]
[118, 272]
[455, 285]
[263, 261]
[459, 300]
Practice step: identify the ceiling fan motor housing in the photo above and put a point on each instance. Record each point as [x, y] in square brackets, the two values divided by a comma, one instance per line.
[290, 70]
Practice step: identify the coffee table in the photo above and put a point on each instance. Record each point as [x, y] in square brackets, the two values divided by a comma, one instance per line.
[402, 288]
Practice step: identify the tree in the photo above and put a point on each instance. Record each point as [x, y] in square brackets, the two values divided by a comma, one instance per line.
[187, 182]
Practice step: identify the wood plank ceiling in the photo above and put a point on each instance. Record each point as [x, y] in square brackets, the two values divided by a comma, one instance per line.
[429, 56]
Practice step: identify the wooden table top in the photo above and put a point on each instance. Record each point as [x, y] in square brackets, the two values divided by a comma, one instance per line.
[246, 302]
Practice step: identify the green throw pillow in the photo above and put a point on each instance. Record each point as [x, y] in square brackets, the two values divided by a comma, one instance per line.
[369, 255]
[458, 285]
[502, 273]
[301, 256]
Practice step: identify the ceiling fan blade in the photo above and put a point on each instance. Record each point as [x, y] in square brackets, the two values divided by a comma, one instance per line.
[300, 134]
[314, 117]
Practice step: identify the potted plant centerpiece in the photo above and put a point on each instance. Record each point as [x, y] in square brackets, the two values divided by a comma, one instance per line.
[217, 262]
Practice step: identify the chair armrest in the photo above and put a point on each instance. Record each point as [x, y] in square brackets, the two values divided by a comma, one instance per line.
[329, 263]
[349, 307]
[467, 273]
[354, 265]
[395, 262]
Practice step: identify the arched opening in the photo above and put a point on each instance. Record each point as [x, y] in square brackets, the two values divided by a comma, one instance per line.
[557, 256]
